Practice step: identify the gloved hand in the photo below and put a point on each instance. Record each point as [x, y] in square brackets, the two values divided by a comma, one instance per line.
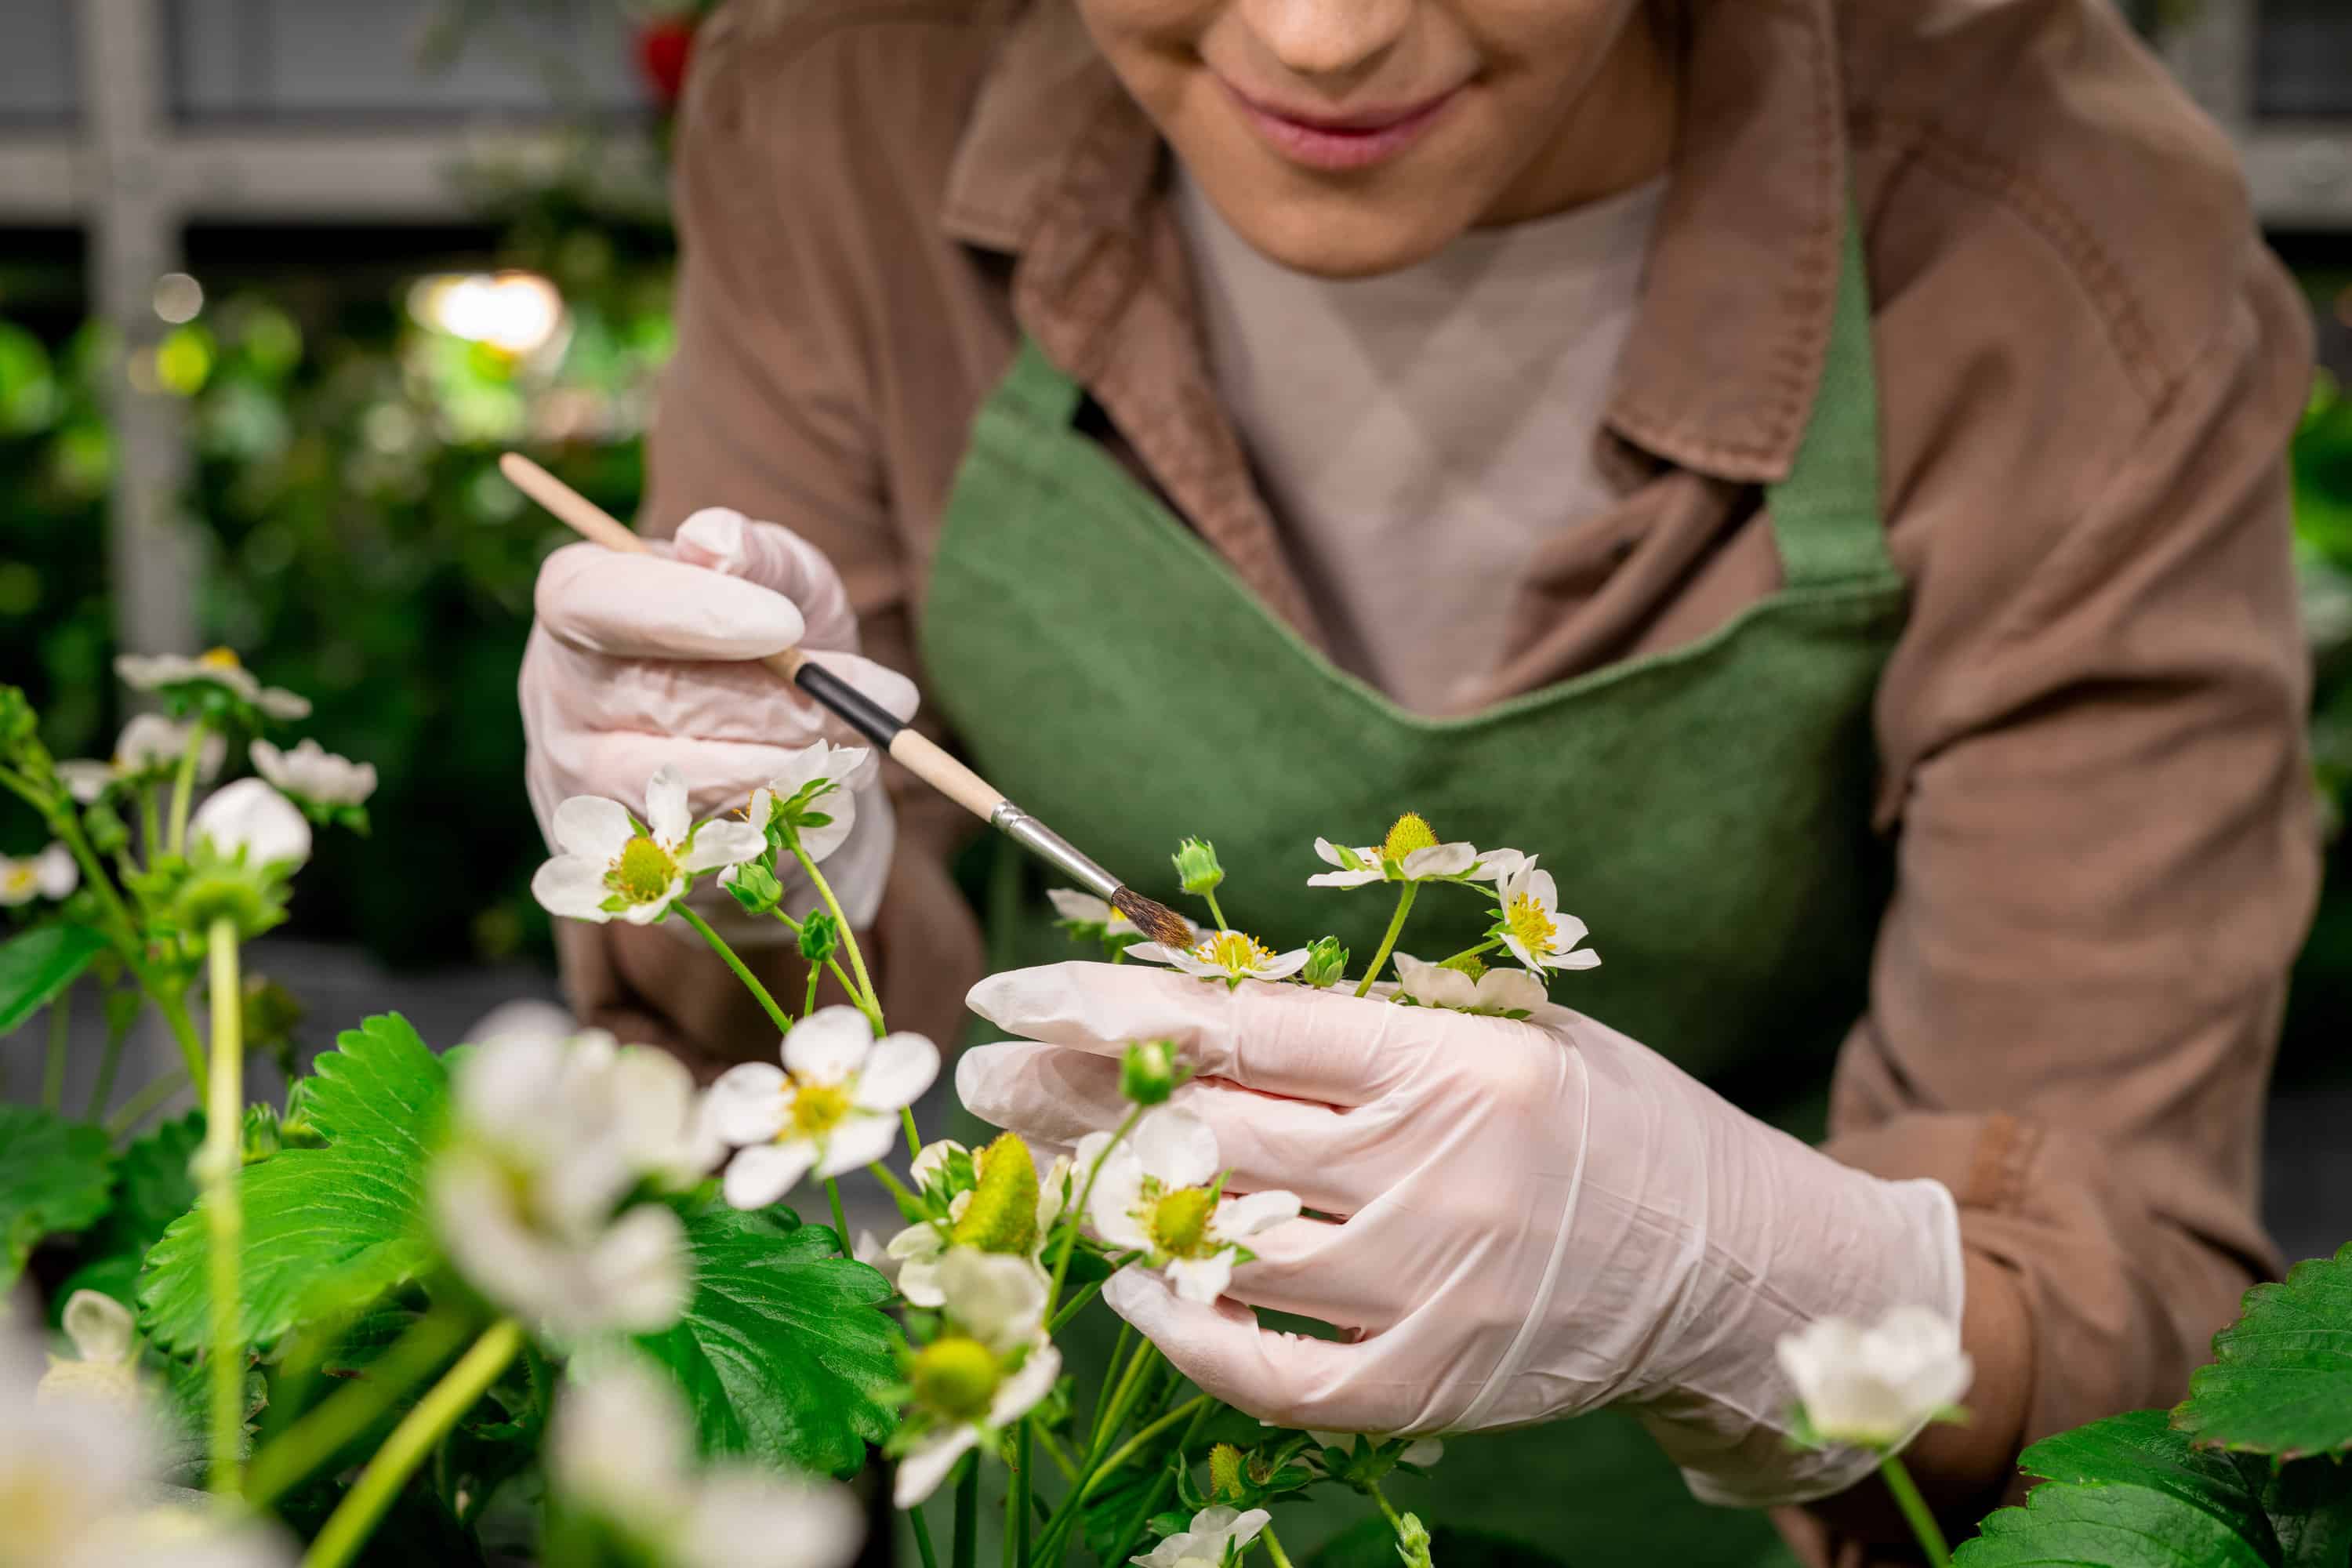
[1532, 1220]
[635, 661]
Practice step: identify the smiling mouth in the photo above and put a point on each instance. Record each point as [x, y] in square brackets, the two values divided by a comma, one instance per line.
[1353, 141]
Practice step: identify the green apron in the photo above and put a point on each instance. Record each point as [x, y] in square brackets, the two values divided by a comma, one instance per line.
[1708, 808]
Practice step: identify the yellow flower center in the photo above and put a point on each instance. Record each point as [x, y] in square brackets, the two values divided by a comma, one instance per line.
[1531, 923]
[1410, 832]
[818, 1107]
[957, 1376]
[19, 879]
[219, 658]
[1466, 964]
[642, 872]
[1235, 952]
[1180, 1221]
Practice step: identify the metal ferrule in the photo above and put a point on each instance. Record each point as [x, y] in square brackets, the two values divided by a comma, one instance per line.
[1053, 848]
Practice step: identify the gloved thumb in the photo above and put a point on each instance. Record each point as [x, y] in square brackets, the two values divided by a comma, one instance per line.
[648, 606]
[719, 539]
[1288, 1379]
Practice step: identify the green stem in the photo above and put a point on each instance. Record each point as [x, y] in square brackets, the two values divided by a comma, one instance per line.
[1127, 1450]
[225, 1217]
[777, 1016]
[151, 825]
[1915, 1511]
[136, 1108]
[896, 1188]
[1491, 942]
[1150, 1503]
[1273, 1548]
[1110, 1380]
[323, 1431]
[1110, 1419]
[923, 1536]
[1372, 1490]
[863, 992]
[419, 1432]
[1079, 1211]
[967, 1512]
[1086, 1293]
[840, 1225]
[173, 1006]
[103, 1090]
[1055, 1452]
[809, 1006]
[53, 1074]
[183, 787]
[1389, 941]
[1214, 912]
[914, 1138]
[1016, 1533]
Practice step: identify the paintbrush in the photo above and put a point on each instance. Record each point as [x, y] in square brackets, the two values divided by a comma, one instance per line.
[913, 750]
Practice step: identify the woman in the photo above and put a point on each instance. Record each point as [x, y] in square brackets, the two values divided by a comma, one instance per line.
[1808, 468]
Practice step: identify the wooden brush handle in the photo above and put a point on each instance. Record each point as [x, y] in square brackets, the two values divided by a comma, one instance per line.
[917, 753]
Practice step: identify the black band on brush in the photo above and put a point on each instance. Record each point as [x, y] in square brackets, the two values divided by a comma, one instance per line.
[864, 715]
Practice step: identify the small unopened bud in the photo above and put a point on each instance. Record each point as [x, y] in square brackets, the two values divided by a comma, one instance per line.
[956, 1377]
[754, 887]
[18, 724]
[261, 1139]
[820, 936]
[1327, 963]
[1197, 867]
[1412, 1542]
[1147, 1073]
[1225, 1474]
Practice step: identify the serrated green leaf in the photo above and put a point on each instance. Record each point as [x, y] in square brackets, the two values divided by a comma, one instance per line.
[2281, 1381]
[2309, 1503]
[53, 1180]
[152, 1188]
[2140, 1448]
[784, 1351]
[38, 964]
[2113, 1525]
[352, 1212]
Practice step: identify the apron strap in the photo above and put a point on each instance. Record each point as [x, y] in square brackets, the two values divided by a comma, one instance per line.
[1825, 514]
[1039, 388]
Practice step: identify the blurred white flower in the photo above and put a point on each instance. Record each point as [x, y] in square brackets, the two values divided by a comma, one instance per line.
[218, 668]
[311, 773]
[964, 1393]
[104, 1366]
[1214, 1533]
[609, 866]
[1534, 931]
[249, 816]
[620, 1447]
[1496, 992]
[52, 874]
[817, 783]
[832, 1107]
[1152, 1194]
[1876, 1386]
[1231, 956]
[150, 748]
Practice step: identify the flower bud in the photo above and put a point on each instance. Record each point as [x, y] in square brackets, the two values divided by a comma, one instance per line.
[956, 1377]
[260, 1139]
[1327, 963]
[754, 887]
[1147, 1073]
[1412, 1542]
[1196, 866]
[1225, 1474]
[1468, 963]
[820, 936]
[18, 724]
[1002, 1213]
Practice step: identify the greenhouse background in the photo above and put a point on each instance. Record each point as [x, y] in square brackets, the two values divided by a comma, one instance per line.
[281, 278]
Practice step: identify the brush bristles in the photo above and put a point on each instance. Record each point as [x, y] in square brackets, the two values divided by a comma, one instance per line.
[1154, 919]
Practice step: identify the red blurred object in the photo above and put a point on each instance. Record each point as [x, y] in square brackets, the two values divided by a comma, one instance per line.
[664, 49]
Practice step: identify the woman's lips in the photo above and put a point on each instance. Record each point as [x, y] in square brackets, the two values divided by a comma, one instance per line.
[1354, 140]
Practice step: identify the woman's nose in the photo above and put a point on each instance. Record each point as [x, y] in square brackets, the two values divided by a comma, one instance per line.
[1329, 38]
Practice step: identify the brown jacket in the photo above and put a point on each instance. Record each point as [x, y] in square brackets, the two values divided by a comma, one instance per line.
[2090, 736]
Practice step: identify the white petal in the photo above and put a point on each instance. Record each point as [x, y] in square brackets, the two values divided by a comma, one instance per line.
[1433, 983]
[592, 826]
[745, 1518]
[919, 1281]
[860, 1141]
[55, 872]
[1439, 860]
[1153, 953]
[1510, 991]
[747, 1104]
[1200, 968]
[1083, 909]
[928, 1464]
[1017, 1393]
[667, 817]
[85, 780]
[99, 1326]
[1423, 1453]
[819, 843]
[896, 1071]
[1243, 1216]
[503, 1087]
[1282, 966]
[1539, 887]
[1499, 865]
[723, 842]
[637, 1271]
[251, 817]
[1177, 1146]
[932, 1159]
[998, 1297]
[759, 1176]
[1583, 958]
[1201, 1279]
[829, 1044]
[573, 885]
[1118, 1192]
[279, 704]
[1342, 878]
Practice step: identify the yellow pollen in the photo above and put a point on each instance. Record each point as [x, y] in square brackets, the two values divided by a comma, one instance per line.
[219, 658]
[1409, 832]
[1180, 1221]
[20, 879]
[1531, 923]
[1235, 952]
[818, 1107]
[642, 872]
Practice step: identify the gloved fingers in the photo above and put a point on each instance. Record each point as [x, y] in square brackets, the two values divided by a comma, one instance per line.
[647, 606]
[1058, 1095]
[1283, 1039]
[720, 539]
[1320, 1269]
[878, 681]
[1288, 1379]
[705, 700]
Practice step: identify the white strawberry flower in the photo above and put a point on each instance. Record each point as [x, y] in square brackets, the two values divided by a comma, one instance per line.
[1216, 1537]
[1495, 992]
[964, 1395]
[1153, 1195]
[1874, 1387]
[104, 1366]
[314, 775]
[1411, 853]
[917, 1253]
[832, 1107]
[621, 1447]
[608, 864]
[149, 749]
[1086, 912]
[1231, 956]
[251, 821]
[1538, 934]
[218, 670]
[52, 874]
[818, 779]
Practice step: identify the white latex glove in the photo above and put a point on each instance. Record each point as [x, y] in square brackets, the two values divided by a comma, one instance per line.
[1534, 1219]
[635, 661]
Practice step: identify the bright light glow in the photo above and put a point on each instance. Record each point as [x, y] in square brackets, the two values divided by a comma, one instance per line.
[516, 312]
[178, 297]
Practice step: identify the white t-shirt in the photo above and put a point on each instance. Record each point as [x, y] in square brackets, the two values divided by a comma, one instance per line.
[1419, 434]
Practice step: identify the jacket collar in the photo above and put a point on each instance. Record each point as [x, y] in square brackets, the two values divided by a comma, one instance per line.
[1059, 167]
